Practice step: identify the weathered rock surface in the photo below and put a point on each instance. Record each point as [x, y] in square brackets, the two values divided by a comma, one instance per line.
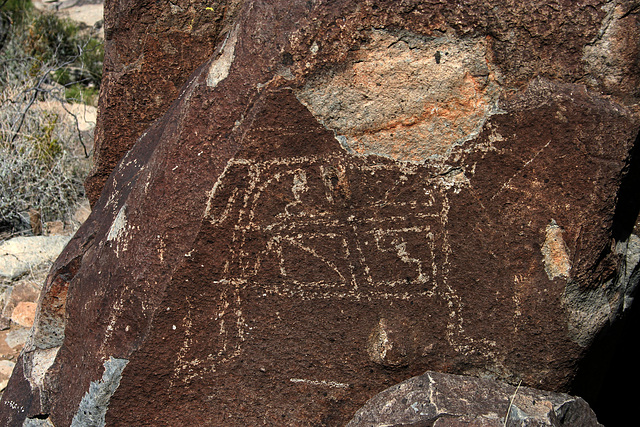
[151, 48]
[20, 254]
[24, 291]
[342, 197]
[438, 400]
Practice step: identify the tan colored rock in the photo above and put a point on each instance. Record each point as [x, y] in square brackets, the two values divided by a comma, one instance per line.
[6, 367]
[82, 212]
[24, 313]
[55, 228]
[23, 291]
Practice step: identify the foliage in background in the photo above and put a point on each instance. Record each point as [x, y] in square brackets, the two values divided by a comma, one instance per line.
[41, 42]
[44, 60]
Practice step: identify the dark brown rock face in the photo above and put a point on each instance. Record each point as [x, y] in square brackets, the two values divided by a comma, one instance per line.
[340, 198]
[151, 49]
[439, 400]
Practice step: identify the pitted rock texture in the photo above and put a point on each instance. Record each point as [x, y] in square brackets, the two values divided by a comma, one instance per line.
[255, 267]
[439, 400]
[151, 48]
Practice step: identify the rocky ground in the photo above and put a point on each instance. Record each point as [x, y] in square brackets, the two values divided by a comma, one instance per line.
[25, 260]
[24, 264]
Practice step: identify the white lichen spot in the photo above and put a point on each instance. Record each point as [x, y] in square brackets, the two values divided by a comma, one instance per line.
[219, 69]
[117, 231]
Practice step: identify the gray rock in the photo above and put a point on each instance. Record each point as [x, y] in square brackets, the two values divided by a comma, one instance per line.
[20, 254]
[437, 399]
[17, 336]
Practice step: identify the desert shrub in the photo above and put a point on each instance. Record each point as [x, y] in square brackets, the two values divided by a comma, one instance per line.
[44, 61]
[52, 40]
[41, 43]
[40, 169]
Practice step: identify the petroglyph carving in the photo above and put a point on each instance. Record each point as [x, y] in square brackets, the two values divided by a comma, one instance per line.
[304, 194]
[329, 218]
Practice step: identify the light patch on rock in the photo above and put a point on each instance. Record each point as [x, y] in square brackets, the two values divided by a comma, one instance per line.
[603, 59]
[378, 343]
[405, 96]
[95, 402]
[383, 349]
[21, 254]
[299, 184]
[324, 383]
[555, 253]
[117, 231]
[219, 69]
[41, 361]
[37, 422]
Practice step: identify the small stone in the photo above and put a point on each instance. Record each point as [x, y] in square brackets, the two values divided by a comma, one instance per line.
[24, 314]
[55, 228]
[17, 337]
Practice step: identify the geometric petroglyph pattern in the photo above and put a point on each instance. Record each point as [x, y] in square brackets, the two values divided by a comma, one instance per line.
[319, 244]
[291, 229]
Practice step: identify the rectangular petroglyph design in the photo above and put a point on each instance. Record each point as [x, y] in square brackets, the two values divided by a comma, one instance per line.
[314, 244]
[326, 228]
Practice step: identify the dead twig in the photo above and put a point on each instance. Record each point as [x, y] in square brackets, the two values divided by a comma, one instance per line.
[506, 418]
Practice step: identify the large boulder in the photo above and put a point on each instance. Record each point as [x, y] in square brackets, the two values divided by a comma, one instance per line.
[439, 400]
[341, 197]
[21, 254]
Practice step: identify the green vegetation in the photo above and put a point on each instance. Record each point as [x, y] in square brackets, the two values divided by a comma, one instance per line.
[45, 63]
[41, 42]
